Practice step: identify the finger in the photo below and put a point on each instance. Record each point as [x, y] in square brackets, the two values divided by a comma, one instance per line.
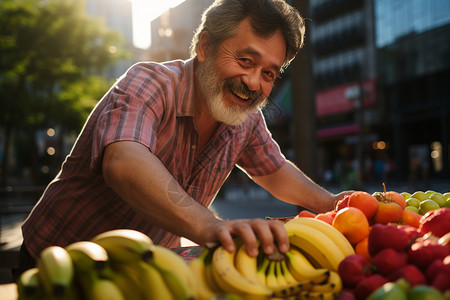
[264, 234]
[246, 233]
[223, 235]
[280, 234]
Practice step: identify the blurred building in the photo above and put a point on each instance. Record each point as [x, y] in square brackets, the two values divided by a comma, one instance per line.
[413, 50]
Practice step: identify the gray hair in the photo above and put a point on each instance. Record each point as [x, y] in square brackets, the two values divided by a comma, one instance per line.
[221, 20]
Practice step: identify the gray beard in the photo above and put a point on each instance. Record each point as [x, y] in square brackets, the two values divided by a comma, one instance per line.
[212, 88]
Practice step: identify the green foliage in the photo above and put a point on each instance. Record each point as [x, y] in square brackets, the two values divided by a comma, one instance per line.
[45, 48]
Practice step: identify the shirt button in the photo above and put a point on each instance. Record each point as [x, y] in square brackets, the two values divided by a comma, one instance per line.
[193, 147]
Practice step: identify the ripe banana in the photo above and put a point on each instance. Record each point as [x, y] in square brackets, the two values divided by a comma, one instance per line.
[56, 271]
[245, 264]
[271, 278]
[105, 289]
[302, 270]
[175, 271]
[231, 280]
[124, 245]
[308, 295]
[332, 284]
[87, 257]
[316, 244]
[335, 235]
[281, 279]
[261, 271]
[198, 268]
[28, 285]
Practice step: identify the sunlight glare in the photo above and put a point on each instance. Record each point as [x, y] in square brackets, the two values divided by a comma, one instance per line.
[145, 11]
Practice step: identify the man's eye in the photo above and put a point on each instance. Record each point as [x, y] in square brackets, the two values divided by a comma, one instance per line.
[246, 61]
[269, 75]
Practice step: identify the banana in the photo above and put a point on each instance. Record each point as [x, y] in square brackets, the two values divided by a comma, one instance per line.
[245, 264]
[28, 285]
[87, 257]
[332, 284]
[198, 268]
[124, 245]
[126, 279]
[335, 235]
[153, 283]
[281, 279]
[56, 271]
[175, 271]
[308, 295]
[271, 279]
[316, 244]
[231, 280]
[287, 274]
[262, 269]
[302, 270]
[105, 289]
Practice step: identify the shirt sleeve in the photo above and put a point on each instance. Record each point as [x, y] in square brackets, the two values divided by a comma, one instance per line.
[262, 155]
[131, 112]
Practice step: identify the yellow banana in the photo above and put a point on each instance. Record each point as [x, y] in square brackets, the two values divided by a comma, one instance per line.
[262, 270]
[124, 245]
[308, 295]
[302, 269]
[332, 284]
[105, 289]
[28, 285]
[175, 271]
[271, 279]
[335, 235]
[153, 284]
[245, 264]
[316, 244]
[287, 274]
[198, 268]
[87, 256]
[231, 280]
[56, 271]
[281, 279]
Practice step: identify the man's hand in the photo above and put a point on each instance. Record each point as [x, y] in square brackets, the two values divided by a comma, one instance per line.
[253, 232]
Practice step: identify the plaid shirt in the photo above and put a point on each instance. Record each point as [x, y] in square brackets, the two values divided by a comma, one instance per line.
[151, 104]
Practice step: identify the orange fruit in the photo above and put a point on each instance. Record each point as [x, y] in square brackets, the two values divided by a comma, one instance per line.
[352, 223]
[388, 212]
[396, 197]
[326, 217]
[306, 213]
[411, 218]
[362, 248]
[364, 201]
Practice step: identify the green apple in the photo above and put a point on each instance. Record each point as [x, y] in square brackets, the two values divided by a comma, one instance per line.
[447, 195]
[447, 203]
[413, 208]
[427, 205]
[406, 195]
[438, 198]
[413, 202]
[430, 192]
[420, 195]
[425, 292]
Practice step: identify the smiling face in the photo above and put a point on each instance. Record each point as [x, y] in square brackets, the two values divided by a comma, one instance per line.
[236, 79]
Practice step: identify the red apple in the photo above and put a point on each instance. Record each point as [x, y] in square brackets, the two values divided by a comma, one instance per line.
[388, 260]
[353, 269]
[409, 272]
[423, 252]
[436, 221]
[368, 285]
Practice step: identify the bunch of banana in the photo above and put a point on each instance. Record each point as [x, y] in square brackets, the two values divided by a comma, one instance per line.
[115, 265]
[320, 242]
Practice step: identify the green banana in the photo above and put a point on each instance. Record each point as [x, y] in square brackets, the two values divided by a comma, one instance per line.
[125, 245]
[56, 271]
[28, 285]
[105, 289]
[126, 278]
[175, 272]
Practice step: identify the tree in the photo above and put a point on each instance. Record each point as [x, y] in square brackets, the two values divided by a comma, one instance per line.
[50, 52]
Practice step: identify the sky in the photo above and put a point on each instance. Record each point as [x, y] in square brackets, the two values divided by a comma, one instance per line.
[144, 11]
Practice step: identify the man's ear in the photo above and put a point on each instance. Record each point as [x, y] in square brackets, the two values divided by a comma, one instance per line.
[202, 50]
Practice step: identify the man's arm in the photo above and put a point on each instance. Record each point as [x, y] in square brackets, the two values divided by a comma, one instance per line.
[140, 178]
[291, 185]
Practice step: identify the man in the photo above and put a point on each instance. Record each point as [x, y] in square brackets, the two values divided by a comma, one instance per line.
[157, 148]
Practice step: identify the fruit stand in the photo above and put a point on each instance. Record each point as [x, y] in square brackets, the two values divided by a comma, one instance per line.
[385, 245]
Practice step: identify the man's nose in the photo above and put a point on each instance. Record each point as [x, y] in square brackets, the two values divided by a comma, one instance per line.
[252, 79]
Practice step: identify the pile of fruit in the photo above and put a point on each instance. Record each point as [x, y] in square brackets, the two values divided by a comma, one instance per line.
[371, 246]
[116, 265]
